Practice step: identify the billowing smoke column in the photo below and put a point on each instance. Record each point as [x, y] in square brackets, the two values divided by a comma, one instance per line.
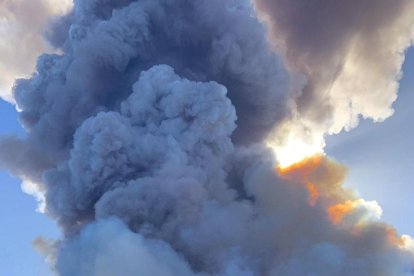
[145, 142]
[350, 54]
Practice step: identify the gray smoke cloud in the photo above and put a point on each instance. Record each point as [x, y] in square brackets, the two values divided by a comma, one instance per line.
[350, 53]
[23, 23]
[144, 141]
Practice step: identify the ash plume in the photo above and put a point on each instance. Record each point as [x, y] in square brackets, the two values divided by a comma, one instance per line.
[145, 142]
[350, 54]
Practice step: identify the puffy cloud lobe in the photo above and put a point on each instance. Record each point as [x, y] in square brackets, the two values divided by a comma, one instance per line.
[109, 248]
[350, 52]
[166, 123]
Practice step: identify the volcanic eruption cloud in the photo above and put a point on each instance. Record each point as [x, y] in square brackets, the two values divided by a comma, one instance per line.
[161, 136]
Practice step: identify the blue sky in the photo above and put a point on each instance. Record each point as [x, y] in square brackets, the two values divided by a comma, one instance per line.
[21, 224]
[379, 156]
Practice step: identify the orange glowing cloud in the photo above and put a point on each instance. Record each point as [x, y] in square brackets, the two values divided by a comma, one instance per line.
[338, 211]
[303, 168]
[302, 172]
[322, 178]
[313, 193]
[393, 237]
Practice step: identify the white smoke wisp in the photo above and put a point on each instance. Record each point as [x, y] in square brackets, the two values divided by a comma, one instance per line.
[351, 54]
[23, 24]
[33, 189]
